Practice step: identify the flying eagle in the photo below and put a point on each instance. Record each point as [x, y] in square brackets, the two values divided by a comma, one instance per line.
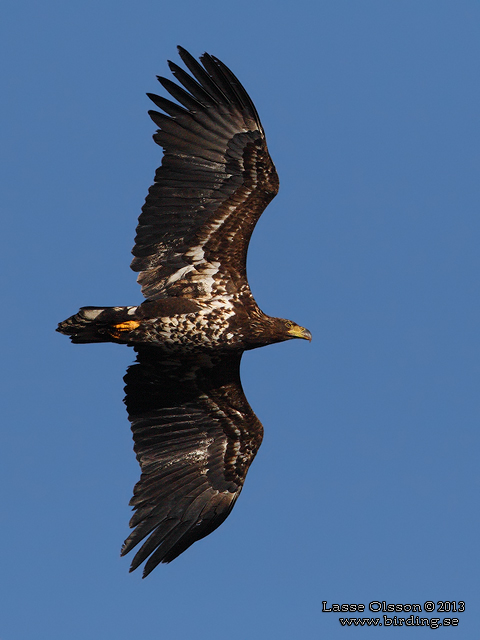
[195, 434]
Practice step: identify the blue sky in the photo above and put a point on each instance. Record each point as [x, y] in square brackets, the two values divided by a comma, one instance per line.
[366, 486]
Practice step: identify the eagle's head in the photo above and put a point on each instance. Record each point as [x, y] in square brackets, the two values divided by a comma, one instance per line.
[286, 330]
[267, 330]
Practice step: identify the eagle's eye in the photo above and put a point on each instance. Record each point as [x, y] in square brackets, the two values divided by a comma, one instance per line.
[288, 324]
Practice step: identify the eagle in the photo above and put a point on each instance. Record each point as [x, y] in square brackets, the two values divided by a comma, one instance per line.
[195, 435]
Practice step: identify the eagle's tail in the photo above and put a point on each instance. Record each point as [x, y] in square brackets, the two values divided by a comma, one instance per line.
[99, 324]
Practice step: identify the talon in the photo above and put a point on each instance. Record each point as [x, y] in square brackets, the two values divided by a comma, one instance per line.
[117, 329]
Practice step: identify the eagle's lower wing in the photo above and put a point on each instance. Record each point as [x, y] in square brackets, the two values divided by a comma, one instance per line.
[215, 180]
[195, 437]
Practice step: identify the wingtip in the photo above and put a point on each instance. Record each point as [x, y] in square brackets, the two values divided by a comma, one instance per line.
[187, 57]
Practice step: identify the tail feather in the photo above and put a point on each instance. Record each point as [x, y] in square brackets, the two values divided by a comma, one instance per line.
[93, 324]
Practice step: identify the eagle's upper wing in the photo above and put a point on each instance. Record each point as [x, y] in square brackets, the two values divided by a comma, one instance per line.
[215, 180]
[195, 437]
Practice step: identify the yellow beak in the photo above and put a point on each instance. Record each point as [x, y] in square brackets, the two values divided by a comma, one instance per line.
[300, 332]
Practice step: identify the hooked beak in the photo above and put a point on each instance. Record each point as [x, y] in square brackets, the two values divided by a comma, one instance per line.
[300, 332]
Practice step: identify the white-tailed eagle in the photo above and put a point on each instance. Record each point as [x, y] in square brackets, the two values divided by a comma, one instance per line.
[195, 434]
